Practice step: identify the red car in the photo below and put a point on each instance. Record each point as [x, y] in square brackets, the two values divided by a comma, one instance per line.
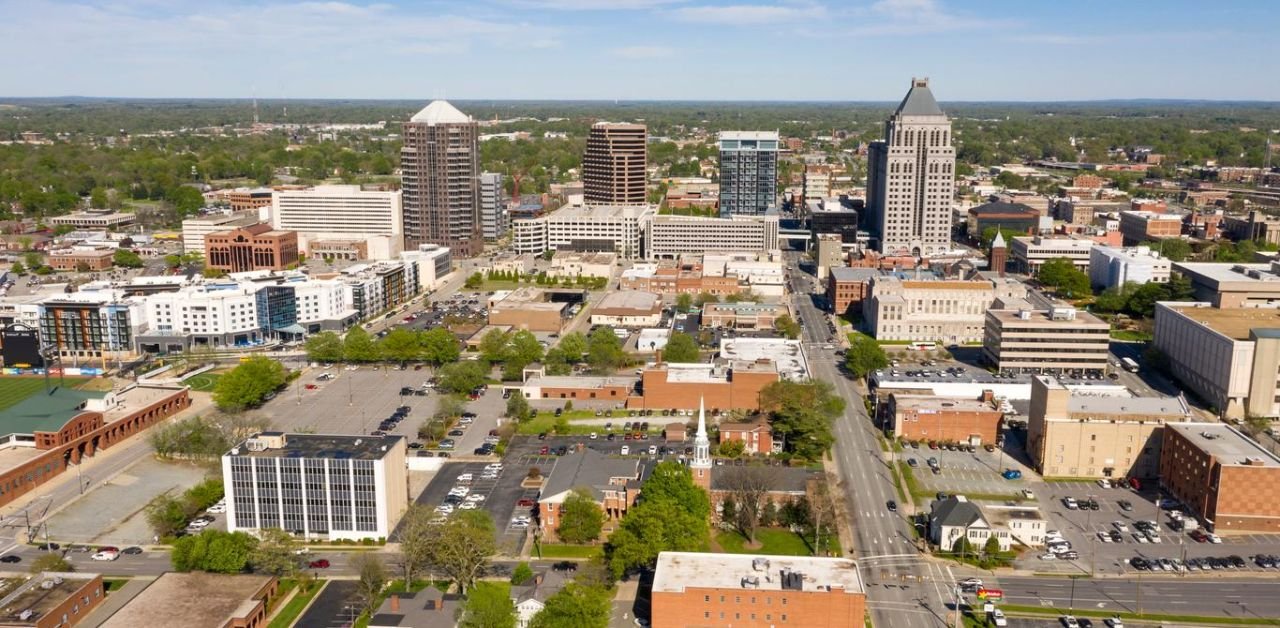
[524, 503]
[544, 450]
[1198, 536]
[312, 387]
[323, 563]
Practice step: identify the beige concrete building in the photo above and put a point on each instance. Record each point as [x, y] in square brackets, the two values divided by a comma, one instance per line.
[628, 308]
[1057, 340]
[1231, 285]
[1030, 253]
[1072, 434]
[531, 309]
[573, 264]
[1229, 357]
[950, 311]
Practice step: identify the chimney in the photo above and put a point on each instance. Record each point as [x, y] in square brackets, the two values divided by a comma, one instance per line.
[658, 357]
[537, 579]
[395, 603]
[988, 396]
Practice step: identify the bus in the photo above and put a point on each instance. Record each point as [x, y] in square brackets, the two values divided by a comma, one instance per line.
[1129, 365]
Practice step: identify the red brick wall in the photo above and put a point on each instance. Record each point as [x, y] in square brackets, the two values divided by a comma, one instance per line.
[756, 440]
[948, 426]
[76, 607]
[1248, 499]
[748, 608]
[615, 393]
[741, 392]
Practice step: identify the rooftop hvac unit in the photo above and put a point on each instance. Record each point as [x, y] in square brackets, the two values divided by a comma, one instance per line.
[1024, 315]
[27, 614]
[751, 582]
[760, 564]
[255, 444]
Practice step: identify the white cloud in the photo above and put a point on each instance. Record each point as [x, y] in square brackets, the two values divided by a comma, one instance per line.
[750, 14]
[593, 5]
[918, 17]
[642, 52]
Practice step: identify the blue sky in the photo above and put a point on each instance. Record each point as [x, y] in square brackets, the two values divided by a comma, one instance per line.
[843, 50]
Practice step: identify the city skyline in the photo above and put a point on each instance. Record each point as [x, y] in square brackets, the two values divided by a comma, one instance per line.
[625, 50]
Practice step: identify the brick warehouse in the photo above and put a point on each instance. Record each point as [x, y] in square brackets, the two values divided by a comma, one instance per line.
[734, 385]
[1224, 478]
[69, 425]
[926, 417]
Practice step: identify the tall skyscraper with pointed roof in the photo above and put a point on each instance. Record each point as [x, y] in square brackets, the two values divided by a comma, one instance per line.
[911, 178]
[701, 463]
[440, 176]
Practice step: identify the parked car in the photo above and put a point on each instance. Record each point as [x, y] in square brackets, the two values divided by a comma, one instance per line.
[10, 559]
[132, 551]
[322, 563]
[1012, 474]
[106, 556]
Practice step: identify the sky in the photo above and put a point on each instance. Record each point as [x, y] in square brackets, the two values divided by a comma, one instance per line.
[827, 50]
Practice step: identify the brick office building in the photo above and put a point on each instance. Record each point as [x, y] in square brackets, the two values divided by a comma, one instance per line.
[614, 484]
[75, 259]
[926, 417]
[200, 600]
[1225, 478]
[756, 436]
[256, 247]
[69, 425]
[50, 599]
[848, 287]
[741, 590]
[730, 385]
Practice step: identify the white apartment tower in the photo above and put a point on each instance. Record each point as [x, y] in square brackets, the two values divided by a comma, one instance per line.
[493, 210]
[911, 178]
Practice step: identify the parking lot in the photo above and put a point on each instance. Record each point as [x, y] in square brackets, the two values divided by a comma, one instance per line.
[1126, 506]
[965, 473]
[500, 494]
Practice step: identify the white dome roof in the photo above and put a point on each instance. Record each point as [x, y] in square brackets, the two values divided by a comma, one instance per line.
[440, 112]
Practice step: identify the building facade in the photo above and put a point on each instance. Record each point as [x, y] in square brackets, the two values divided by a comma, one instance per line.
[615, 229]
[615, 164]
[613, 483]
[669, 237]
[440, 178]
[911, 178]
[927, 417]
[1111, 267]
[1030, 253]
[91, 324]
[748, 172]
[341, 221]
[317, 486]
[942, 310]
[256, 247]
[1060, 340]
[195, 229]
[848, 287]
[1087, 436]
[1226, 479]
[1229, 357]
[493, 206]
[742, 315]
[1140, 226]
[752, 591]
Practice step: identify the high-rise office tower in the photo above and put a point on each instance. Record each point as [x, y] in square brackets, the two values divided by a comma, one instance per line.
[748, 172]
[911, 178]
[614, 166]
[440, 177]
[493, 206]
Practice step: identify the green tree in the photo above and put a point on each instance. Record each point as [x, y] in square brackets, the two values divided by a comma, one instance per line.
[359, 346]
[684, 302]
[704, 298]
[440, 346]
[681, 347]
[18, 268]
[98, 198]
[126, 259]
[214, 551]
[462, 377]
[1114, 299]
[1062, 275]
[673, 482]
[581, 519]
[517, 406]
[488, 606]
[493, 346]
[1175, 249]
[371, 578]
[186, 201]
[556, 363]
[324, 347]
[415, 535]
[962, 547]
[463, 547]
[991, 547]
[574, 346]
[864, 355]
[247, 384]
[604, 350]
[576, 605]
[1179, 288]
[521, 574]
[802, 414]
[788, 326]
[400, 345]
[474, 281]
[51, 561]
[173, 260]
[731, 448]
[1142, 302]
[649, 528]
[275, 553]
[34, 260]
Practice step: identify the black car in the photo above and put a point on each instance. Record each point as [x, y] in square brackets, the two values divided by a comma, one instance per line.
[1116, 537]
[48, 547]
[132, 551]
[404, 410]
[1125, 505]
[559, 411]
[562, 450]
[10, 559]
[892, 506]
[1139, 563]
[1236, 561]
[415, 445]
[611, 436]
[542, 436]
[456, 432]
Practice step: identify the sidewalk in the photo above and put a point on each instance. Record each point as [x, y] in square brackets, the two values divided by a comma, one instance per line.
[114, 602]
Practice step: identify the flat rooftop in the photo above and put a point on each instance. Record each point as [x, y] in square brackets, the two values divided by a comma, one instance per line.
[190, 600]
[1137, 406]
[943, 404]
[1226, 444]
[1234, 323]
[786, 354]
[333, 446]
[630, 300]
[1043, 317]
[1226, 272]
[44, 412]
[571, 381]
[32, 596]
[598, 212]
[677, 571]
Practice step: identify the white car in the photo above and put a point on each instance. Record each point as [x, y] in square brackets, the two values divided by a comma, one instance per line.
[198, 524]
[998, 618]
[1104, 483]
[493, 466]
[475, 497]
[1069, 621]
[106, 556]
[217, 509]
[444, 508]
[468, 506]
[1104, 537]
[465, 477]
[1049, 556]
[594, 436]
[1213, 538]
[1154, 538]
[301, 550]
[625, 450]
[1120, 525]
[1140, 537]
[1026, 492]
[1113, 622]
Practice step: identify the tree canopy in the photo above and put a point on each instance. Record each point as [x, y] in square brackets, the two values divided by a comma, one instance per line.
[581, 519]
[359, 346]
[604, 350]
[681, 347]
[488, 606]
[462, 377]
[440, 346]
[214, 551]
[864, 355]
[324, 347]
[247, 384]
[802, 414]
[577, 605]
[1065, 278]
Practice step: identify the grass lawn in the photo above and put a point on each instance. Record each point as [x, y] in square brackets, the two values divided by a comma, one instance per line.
[1147, 617]
[776, 541]
[546, 422]
[204, 382]
[1130, 334]
[289, 614]
[113, 584]
[564, 550]
[14, 389]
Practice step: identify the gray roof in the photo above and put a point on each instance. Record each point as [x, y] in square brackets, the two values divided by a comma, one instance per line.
[955, 512]
[919, 101]
[790, 480]
[590, 469]
[846, 273]
[552, 582]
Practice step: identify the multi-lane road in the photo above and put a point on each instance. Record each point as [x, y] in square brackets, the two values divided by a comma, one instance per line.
[904, 588]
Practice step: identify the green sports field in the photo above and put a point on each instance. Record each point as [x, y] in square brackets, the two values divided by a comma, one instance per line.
[14, 389]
